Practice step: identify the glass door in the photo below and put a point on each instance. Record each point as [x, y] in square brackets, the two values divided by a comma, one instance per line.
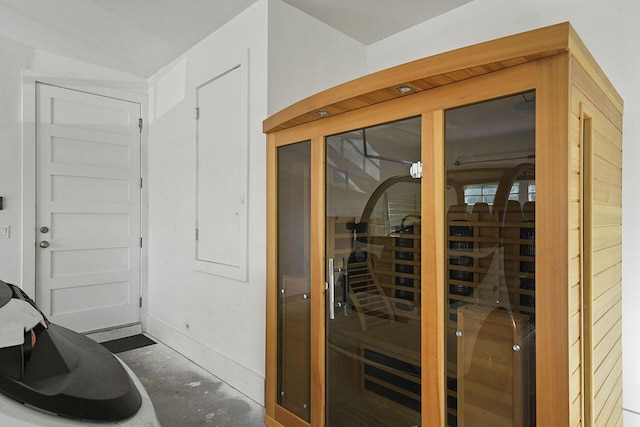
[490, 279]
[373, 362]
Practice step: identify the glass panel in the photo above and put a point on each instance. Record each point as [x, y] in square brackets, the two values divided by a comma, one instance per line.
[373, 251]
[294, 250]
[490, 263]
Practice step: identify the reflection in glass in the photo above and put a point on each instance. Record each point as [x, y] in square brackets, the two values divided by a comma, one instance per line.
[294, 247]
[490, 271]
[373, 240]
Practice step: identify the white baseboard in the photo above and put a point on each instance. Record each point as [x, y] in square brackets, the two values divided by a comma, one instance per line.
[238, 376]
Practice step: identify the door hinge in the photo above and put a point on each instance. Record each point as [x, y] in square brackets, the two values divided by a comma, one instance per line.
[141, 242]
[140, 302]
[197, 234]
[140, 182]
[140, 124]
[196, 112]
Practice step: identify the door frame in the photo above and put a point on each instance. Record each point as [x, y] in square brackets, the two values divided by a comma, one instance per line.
[30, 79]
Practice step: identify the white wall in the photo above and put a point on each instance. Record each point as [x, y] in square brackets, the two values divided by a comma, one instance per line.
[12, 57]
[216, 321]
[611, 31]
[16, 62]
[307, 56]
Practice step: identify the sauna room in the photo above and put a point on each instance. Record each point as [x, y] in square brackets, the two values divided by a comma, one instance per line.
[437, 242]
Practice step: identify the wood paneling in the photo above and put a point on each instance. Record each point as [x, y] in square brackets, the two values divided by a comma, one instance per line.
[590, 78]
[433, 330]
[552, 241]
[607, 258]
[272, 280]
[284, 418]
[611, 413]
[604, 280]
[605, 215]
[318, 262]
[601, 119]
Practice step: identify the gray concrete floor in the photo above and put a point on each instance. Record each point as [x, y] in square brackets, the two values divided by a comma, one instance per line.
[184, 394]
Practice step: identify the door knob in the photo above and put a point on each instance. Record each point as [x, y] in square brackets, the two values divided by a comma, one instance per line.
[44, 244]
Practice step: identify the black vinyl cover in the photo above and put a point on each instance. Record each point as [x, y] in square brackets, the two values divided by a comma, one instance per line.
[66, 373]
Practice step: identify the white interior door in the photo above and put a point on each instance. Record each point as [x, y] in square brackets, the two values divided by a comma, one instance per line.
[88, 209]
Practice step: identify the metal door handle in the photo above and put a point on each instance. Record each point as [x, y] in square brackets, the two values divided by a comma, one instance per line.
[44, 244]
[345, 282]
[332, 290]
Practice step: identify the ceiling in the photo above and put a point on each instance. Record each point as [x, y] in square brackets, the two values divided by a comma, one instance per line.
[369, 21]
[142, 36]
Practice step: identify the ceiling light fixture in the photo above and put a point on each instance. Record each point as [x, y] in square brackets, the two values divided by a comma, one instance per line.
[405, 89]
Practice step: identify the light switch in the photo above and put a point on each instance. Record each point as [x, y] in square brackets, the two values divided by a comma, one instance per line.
[4, 232]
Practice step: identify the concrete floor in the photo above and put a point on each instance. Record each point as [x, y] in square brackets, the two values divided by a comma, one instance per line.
[184, 394]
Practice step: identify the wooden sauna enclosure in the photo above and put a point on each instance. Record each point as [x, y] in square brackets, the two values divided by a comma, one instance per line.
[444, 243]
